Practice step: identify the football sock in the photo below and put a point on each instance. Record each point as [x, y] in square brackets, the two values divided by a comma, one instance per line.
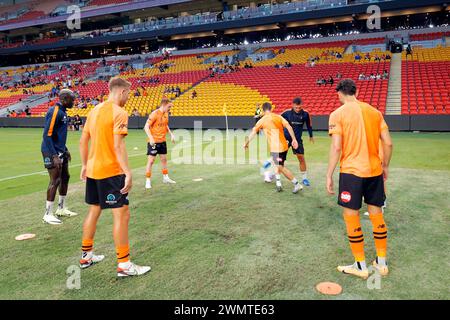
[49, 207]
[355, 236]
[381, 261]
[379, 234]
[123, 253]
[165, 173]
[361, 265]
[304, 175]
[61, 202]
[124, 265]
[148, 174]
[294, 181]
[87, 245]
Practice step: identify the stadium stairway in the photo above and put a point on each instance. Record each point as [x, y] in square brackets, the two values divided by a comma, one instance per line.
[394, 95]
[31, 102]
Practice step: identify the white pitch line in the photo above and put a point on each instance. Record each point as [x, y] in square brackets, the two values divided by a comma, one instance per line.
[79, 165]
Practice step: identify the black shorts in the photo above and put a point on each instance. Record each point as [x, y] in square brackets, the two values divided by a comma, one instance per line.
[106, 192]
[352, 189]
[48, 160]
[158, 148]
[300, 149]
[279, 157]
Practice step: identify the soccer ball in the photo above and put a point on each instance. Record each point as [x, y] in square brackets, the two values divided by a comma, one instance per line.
[268, 176]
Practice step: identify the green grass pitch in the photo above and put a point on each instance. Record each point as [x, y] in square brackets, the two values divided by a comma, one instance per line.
[229, 236]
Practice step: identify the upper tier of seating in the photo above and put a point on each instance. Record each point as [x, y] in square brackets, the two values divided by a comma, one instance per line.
[425, 82]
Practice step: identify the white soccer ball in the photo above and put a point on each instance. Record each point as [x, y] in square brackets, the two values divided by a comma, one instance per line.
[268, 176]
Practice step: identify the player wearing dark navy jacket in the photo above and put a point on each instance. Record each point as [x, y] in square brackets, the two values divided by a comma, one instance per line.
[56, 156]
[298, 118]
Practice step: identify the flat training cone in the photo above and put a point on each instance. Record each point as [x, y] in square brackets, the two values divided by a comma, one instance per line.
[329, 288]
[25, 236]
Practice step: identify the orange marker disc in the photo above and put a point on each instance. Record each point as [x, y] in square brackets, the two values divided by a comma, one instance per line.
[25, 236]
[329, 288]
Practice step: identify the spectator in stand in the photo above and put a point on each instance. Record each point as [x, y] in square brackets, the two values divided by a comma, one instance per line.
[357, 57]
[408, 50]
[338, 75]
[385, 74]
[135, 113]
[362, 76]
[367, 56]
[194, 94]
[330, 81]
[27, 111]
[77, 122]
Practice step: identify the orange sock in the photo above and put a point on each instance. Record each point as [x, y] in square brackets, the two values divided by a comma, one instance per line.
[87, 245]
[148, 174]
[379, 233]
[165, 171]
[355, 236]
[123, 253]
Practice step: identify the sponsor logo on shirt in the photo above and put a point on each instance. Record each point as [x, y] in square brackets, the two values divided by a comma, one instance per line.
[346, 196]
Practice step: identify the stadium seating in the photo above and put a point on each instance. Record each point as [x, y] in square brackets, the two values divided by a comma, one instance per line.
[426, 81]
[106, 2]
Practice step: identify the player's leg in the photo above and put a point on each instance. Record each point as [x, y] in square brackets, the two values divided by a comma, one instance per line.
[88, 257]
[350, 198]
[125, 267]
[63, 187]
[148, 171]
[55, 180]
[286, 172]
[92, 198]
[162, 151]
[374, 196]
[302, 166]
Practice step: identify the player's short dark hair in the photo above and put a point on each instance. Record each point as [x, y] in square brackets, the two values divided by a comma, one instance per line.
[297, 101]
[117, 82]
[347, 87]
[267, 106]
[66, 96]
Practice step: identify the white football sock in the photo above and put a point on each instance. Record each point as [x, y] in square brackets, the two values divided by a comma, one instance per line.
[304, 175]
[125, 265]
[360, 265]
[381, 261]
[294, 181]
[165, 176]
[61, 201]
[49, 207]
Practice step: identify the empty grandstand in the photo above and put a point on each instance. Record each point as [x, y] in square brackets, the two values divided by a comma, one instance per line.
[230, 69]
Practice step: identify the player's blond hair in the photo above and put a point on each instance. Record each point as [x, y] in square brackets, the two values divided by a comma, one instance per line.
[117, 82]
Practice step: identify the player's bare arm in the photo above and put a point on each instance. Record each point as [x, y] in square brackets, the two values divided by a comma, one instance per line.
[172, 136]
[151, 140]
[291, 133]
[387, 145]
[84, 150]
[250, 138]
[122, 158]
[334, 155]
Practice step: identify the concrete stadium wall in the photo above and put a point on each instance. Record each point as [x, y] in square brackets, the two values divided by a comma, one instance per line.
[396, 123]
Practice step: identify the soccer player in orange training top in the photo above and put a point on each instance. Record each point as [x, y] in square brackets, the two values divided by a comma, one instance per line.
[356, 129]
[108, 177]
[156, 128]
[273, 126]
